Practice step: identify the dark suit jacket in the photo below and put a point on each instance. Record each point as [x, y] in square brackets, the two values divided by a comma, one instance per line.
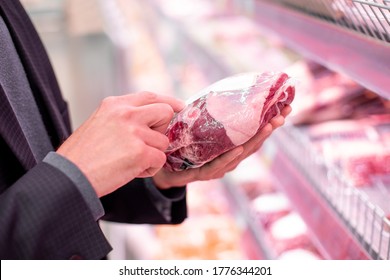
[42, 214]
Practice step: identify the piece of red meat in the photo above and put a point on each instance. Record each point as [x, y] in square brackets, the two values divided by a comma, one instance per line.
[226, 115]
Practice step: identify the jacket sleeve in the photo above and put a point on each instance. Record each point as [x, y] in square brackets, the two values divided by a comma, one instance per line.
[136, 203]
[139, 205]
[44, 216]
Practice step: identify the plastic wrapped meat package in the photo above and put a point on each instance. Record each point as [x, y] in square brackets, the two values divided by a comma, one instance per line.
[225, 115]
[286, 233]
[356, 147]
[349, 132]
[289, 232]
[252, 177]
[267, 208]
[323, 95]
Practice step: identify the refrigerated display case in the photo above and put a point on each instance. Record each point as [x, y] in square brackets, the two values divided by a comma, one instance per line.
[348, 40]
[352, 38]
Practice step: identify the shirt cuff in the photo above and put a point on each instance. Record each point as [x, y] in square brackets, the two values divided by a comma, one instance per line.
[80, 181]
[163, 199]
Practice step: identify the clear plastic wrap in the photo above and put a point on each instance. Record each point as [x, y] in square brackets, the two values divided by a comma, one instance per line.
[225, 115]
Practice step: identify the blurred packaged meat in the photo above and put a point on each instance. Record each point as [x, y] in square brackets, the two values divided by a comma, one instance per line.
[289, 232]
[324, 95]
[269, 207]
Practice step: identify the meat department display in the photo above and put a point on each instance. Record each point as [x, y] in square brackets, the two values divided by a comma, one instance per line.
[271, 215]
[371, 15]
[330, 110]
[348, 127]
[225, 115]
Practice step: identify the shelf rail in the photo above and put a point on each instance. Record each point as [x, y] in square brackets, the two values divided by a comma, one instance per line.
[334, 37]
[370, 18]
[366, 221]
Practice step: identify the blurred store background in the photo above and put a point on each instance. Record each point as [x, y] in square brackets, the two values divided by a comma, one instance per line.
[320, 187]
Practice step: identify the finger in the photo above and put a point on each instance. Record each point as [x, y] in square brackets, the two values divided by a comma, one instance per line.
[145, 98]
[277, 121]
[155, 161]
[256, 142]
[286, 111]
[227, 168]
[211, 168]
[157, 116]
[155, 139]
[150, 172]
[260, 137]
[233, 165]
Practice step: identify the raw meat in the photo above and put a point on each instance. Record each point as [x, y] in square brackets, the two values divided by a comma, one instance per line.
[225, 115]
[288, 233]
[270, 207]
[323, 95]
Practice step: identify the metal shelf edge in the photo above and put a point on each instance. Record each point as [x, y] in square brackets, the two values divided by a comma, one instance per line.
[364, 60]
[327, 228]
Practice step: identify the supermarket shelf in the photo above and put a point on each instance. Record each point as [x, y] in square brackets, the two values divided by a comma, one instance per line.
[370, 18]
[240, 202]
[213, 66]
[324, 224]
[336, 212]
[362, 58]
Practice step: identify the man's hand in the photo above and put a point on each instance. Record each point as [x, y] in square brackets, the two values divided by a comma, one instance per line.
[123, 139]
[226, 162]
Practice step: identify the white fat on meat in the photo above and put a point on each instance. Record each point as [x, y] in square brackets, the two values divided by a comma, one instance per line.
[238, 114]
[240, 111]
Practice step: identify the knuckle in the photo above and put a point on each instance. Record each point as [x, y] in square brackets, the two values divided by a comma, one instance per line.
[128, 112]
[148, 95]
[163, 142]
[134, 131]
[162, 158]
[108, 101]
[110, 104]
[139, 151]
[168, 111]
[157, 159]
[165, 112]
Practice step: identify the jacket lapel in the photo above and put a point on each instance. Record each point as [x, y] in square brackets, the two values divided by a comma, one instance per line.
[12, 133]
[38, 69]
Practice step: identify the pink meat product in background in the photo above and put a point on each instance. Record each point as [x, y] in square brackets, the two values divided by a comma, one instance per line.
[267, 208]
[288, 233]
[323, 95]
[225, 115]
